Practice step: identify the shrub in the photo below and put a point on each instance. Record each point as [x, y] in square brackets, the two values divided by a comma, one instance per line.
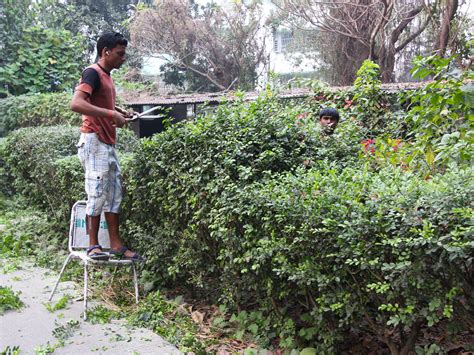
[36, 110]
[352, 250]
[183, 170]
[29, 154]
[440, 115]
[5, 176]
[43, 166]
[231, 210]
[371, 105]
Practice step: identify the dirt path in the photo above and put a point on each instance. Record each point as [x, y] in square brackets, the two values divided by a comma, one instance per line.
[33, 325]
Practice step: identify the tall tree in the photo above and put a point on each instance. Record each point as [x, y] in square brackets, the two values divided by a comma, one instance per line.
[223, 45]
[37, 56]
[363, 29]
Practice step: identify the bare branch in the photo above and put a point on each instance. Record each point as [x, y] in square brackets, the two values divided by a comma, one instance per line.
[217, 44]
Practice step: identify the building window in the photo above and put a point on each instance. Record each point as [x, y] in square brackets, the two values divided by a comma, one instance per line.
[282, 40]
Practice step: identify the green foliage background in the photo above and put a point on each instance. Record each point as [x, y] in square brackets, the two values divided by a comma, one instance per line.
[33, 110]
[42, 165]
[38, 55]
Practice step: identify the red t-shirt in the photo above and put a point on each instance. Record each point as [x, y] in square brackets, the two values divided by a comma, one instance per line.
[103, 96]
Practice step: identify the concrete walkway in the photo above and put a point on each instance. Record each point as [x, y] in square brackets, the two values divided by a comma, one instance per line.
[33, 325]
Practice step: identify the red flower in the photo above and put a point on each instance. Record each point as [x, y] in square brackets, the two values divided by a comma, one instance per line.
[369, 145]
[300, 117]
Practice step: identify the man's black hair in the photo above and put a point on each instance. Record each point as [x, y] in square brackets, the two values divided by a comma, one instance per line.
[110, 40]
[329, 111]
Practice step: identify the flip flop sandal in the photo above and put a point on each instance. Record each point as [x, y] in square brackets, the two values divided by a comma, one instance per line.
[120, 254]
[97, 255]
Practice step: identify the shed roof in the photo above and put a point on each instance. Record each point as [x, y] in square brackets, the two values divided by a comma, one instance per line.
[134, 98]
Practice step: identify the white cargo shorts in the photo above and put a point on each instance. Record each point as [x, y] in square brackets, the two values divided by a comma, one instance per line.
[103, 181]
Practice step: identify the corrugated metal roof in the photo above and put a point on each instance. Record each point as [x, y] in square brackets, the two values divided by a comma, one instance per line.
[215, 98]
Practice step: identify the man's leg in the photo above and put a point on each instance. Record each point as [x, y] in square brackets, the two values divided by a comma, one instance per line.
[113, 226]
[94, 160]
[93, 223]
[112, 205]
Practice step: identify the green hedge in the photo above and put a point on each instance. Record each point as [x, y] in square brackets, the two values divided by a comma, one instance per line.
[227, 208]
[184, 170]
[29, 153]
[350, 251]
[36, 110]
[41, 164]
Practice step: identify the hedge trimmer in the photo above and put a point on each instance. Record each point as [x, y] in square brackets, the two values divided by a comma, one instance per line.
[145, 115]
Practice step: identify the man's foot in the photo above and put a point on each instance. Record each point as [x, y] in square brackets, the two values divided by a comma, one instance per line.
[95, 252]
[125, 253]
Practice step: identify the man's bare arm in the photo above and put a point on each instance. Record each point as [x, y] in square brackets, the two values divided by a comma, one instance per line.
[80, 105]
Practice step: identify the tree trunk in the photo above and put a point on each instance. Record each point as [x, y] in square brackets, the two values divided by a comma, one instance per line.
[444, 33]
[388, 51]
[406, 344]
[387, 64]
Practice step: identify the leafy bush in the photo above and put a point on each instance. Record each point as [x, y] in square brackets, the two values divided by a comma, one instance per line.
[5, 177]
[43, 165]
[233, 211]
[371, 104]
[36, 110]
[29, 154]
[347, 250]
[183, 171]
[440, 115]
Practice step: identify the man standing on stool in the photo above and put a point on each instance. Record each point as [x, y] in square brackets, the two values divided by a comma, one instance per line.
[94, 98]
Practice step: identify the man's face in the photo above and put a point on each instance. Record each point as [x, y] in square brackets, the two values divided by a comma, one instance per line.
[328, 123]
[117, 56]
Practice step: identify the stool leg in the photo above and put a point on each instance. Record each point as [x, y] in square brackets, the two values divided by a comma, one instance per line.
[113, 275]
[86, 279]
[135, 281]
[59, 277]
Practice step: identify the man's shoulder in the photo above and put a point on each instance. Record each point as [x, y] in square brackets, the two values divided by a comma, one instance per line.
[91, 76]
[90, 73]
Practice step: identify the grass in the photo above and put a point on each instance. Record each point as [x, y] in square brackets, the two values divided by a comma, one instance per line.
[61, 304]
[11, 350]
[9, 300]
